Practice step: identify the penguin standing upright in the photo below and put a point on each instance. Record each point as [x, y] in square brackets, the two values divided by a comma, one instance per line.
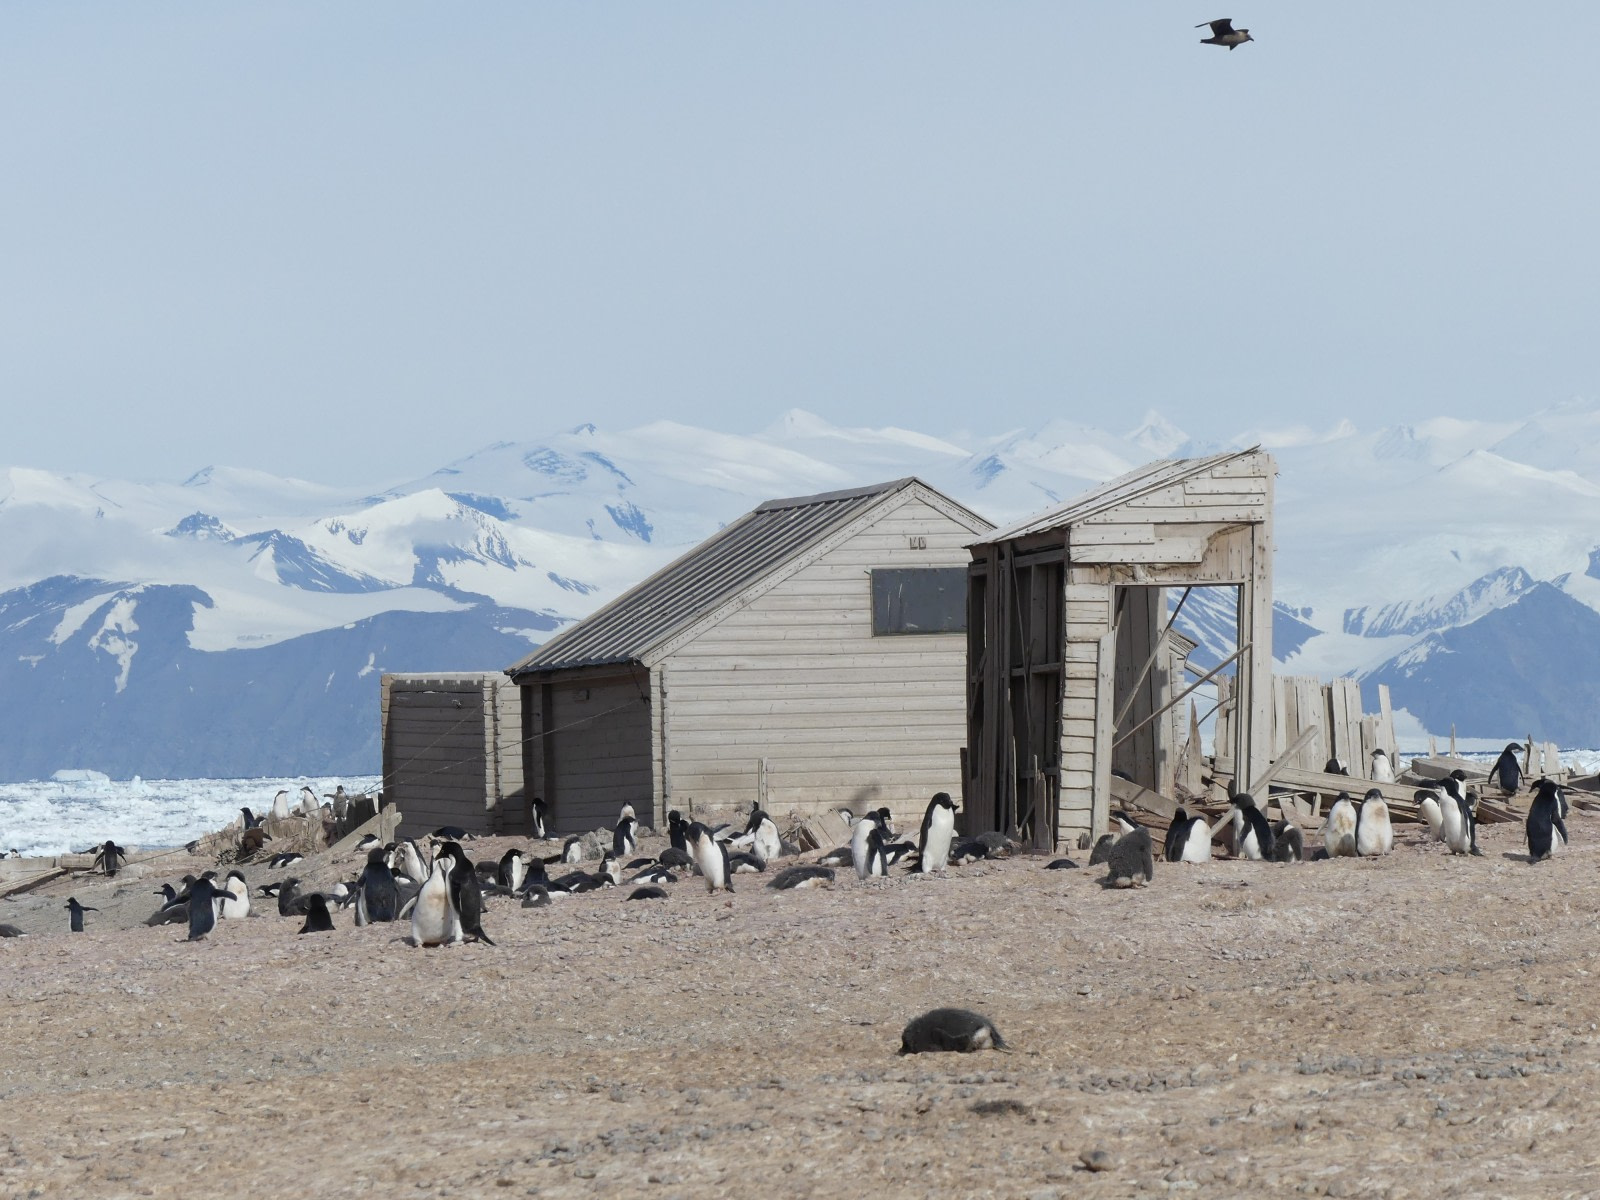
[1339, 828]
[762, 831]
[538, 818]
[1546, 828]
[377, 894]
[1374, 830]
[1382, 767]
[466, 893]
[625, 837]
[710, 855]
[1428, 807]
[76, 911]
[1188, 839]
[1252, 835]
[1507, 771]
[876, 861]
[938, 829]
[860, 847]
[204, 900]
[1459, 829]
[280, 805]
[513, 869]
[318, 918]
[433, 916]
[236, 905]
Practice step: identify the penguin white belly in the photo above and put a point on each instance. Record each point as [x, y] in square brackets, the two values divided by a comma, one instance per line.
[1453, 831]
[1197, 846]
[767, 843]
[941, 832]
[433, 919]
[235, 907]
[1431, 813]
[1339, 831]
[858, 847]
[1376, 835]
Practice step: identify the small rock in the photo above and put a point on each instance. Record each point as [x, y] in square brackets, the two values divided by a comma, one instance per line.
[1098, 1159]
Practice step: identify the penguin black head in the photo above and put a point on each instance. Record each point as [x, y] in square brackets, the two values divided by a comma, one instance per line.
[1373, 794]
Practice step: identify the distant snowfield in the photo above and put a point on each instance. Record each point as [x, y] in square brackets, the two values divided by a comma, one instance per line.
[71, 816]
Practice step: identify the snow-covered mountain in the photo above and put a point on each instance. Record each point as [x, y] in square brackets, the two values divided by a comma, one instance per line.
[237, 622]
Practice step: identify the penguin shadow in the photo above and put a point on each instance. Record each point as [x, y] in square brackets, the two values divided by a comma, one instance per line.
[1513, 856]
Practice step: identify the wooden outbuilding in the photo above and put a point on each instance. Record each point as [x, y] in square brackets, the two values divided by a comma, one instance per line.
[1070, 669]
[452, 752]
[809, 655]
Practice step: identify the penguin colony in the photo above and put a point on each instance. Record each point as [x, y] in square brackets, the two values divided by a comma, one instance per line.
[441, 895]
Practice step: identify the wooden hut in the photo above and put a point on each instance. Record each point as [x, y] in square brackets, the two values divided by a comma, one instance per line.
[810, 654]
[452, 752]
[1066, 637]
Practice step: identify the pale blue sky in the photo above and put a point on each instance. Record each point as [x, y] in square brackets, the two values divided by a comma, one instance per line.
[364, 238]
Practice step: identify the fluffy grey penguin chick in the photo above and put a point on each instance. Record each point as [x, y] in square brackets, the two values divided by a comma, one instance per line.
[957, 1029]
[1131, 861]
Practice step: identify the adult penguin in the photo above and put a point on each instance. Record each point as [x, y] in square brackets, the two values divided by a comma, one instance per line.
[1382, 767]
[204, 900]
[860, 843]
[236, 892]
[1428, 807]
[1546, 828]
[1339, 828]
[75, 920]
[938, 828]
[711, 856]
[433, 917]
[1188, 839]
[762, 831]
[377, 893]
[1507, 771]
[466, 893]
[1374, 830]
[1252, 835]
[1459, 830]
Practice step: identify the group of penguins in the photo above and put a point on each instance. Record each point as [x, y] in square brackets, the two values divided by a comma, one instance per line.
[1349, 830]
[442, 893]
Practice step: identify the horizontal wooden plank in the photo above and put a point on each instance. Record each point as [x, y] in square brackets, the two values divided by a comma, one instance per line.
[841, 711]
[1233, 513]
[915, 654]
[1131, 533]
[1232, 485]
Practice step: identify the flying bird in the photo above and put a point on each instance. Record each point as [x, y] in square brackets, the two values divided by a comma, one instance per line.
[1224, 34]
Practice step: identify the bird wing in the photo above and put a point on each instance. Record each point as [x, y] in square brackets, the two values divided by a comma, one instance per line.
[1218, 27]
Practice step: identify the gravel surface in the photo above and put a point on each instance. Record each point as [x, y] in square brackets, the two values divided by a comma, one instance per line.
[1419, 1025]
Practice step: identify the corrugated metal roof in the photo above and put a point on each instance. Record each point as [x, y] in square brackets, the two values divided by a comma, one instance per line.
[762, 541]
[1148, 478]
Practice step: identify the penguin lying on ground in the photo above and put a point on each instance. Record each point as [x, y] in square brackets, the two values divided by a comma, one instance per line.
[647, 893]
[956, 1029]
[1188, 839]
[806, 875]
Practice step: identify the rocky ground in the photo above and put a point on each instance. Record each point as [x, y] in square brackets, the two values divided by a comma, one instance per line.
[1418, 1025]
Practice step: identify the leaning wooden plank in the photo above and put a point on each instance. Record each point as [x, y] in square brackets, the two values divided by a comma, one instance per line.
[382, 826]
[1131, 795]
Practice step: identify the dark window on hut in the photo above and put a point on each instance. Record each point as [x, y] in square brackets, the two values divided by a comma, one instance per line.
[919, 600]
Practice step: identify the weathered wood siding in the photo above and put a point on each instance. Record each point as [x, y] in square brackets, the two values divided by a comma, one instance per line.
[796, 678]
[452, 752]
[597, 750]
[1212, 527]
